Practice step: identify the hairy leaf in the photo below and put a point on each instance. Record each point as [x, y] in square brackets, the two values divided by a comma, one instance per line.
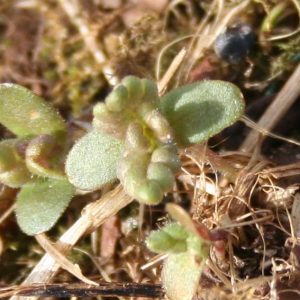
[171, 238]
[26, 114]
[41, 203]
[45, 157]
[159, 241]
[93, 160]
[180, 276]
[13, 170]
[200, 110]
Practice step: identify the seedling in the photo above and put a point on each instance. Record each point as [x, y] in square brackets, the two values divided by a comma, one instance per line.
[187, 248]
[33, 161]
[137, 135]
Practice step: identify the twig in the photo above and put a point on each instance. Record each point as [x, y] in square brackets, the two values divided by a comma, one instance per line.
[64, 290]
[284, 100]
[93, 216]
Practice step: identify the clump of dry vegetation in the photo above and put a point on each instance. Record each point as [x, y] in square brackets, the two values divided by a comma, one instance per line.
[243, 184]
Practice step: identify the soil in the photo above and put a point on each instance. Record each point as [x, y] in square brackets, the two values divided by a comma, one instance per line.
[71, 53]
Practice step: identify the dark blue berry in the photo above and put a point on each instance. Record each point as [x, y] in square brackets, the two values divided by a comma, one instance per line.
[235, 43]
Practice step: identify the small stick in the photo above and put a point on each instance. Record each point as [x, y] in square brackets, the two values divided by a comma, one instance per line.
[104, 289]
[284, 100]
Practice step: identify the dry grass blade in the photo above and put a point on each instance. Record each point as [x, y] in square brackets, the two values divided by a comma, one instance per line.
[163, 83]
[245, 290]
[251, 124]
[284, 100]
[202, 185]
[296, 215]
[7, 213]
[215, 269]
[61, 259]
[294, 32]
[283, 171]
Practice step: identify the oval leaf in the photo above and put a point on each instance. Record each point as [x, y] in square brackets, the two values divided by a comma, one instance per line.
[26, 114]
[92, 162]
[40, 204]
[180, 276]
[200, 110]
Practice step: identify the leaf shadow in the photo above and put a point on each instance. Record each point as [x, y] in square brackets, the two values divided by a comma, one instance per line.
[198, 120]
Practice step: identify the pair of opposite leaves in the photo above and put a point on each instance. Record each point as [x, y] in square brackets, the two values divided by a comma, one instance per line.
[186, 249]
[195, 112]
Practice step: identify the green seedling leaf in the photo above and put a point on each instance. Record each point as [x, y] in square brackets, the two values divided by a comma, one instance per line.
[180, 276]
[198, 241]
[187, 253]
[200, 110]
[170, 239]
[160, 242]
[110, 122]
[44, 157]
[149, 192]
[116, 101]
[176, 231]
[160, 126]
[26, 114]
[150, 91]
[161, 173]
[167, 155]
[40, 203]
[13, 170]
[93, 160]
[135, 88]
[197, 247]
[181, 216]
[135, 138]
